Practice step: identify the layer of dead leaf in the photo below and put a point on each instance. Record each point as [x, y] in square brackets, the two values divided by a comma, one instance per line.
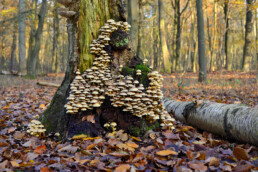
[185, 149]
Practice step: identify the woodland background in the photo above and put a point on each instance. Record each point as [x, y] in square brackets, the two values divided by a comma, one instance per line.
[33, 37]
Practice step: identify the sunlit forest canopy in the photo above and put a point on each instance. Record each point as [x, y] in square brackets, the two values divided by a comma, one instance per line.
[163, 31]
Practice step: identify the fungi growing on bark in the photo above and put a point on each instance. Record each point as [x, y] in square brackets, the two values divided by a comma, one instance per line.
[89, 90]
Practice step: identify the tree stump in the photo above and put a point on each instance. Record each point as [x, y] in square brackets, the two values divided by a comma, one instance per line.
[89, 98]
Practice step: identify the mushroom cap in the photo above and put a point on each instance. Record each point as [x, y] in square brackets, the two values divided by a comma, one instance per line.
[130, 93]
[102, 97]
[106, 125]
[96, 104]
[169, 124]
[128, 99]
[37, 122]
[134, 89]
[122, 94]
[110, 20]
[113, 124]
[156, 117]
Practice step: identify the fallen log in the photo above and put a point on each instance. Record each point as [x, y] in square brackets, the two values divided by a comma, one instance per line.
[47, 84]
[228, 120]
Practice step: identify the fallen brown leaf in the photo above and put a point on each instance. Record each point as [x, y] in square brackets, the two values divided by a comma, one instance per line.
[166, 152]
[40, 149]
[122, 168]
[197, 166]
[240, 153]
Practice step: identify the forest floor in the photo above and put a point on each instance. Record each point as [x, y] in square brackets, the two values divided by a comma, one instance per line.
[184, 149]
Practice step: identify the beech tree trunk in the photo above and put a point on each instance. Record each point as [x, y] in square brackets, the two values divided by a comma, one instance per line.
[84, 19]
[162, 34]
[201, 42]
[228, 120]
[35, 39]
[13, 63]
[249, 39]
[22, 46]
[133, 21]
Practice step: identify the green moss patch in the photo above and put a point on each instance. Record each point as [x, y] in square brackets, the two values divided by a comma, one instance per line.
[143, 78]
[144, 127]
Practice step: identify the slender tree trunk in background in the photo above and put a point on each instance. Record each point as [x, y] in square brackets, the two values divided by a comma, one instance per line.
[256, 47]
[214, 36]
[228, 56]
[140, 21]
[33, 20]
[247, 56]
[22, 47]
[209, 39]
[201, 42]
[2, 60]
[55, 51]
[177, 19]
[163, 42]
[13, 63]
[34, 53]
[193, 43]
[47, 49]
[177, 23]
[155, 40]
[133, 21]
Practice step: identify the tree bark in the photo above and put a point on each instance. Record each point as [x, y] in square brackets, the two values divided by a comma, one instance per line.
[22, 47]
[178, 14]
[133, 21]
[155, 35]
[228, 56]
[140, 19]
[247, 56]
[228, 120]
[163, 43]
[92, 16]
[3, 42]
[13, 63]
[36, 42]
[90, 19]
[201, 42]
[55, 50]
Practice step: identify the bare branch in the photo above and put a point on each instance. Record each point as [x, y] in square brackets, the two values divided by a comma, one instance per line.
[185, 7]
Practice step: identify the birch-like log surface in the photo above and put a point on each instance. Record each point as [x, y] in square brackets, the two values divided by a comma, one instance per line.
[228, 120]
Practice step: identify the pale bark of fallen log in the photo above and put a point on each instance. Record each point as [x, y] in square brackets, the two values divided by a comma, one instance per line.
[229, 120]
[48, 84]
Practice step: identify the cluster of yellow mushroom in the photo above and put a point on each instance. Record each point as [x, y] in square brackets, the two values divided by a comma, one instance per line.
[90, 89]
[96, 47]
[87, 90]
[112, 125]
[35, 128]
[129, 94]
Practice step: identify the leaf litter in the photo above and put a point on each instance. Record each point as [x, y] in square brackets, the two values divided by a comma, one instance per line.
[184, 149]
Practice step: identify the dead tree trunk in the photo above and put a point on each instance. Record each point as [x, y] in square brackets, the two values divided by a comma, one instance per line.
[228, 120]
[86, 31]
